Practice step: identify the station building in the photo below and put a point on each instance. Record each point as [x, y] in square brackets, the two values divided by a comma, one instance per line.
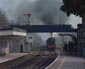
[11, 40]
[18, 40]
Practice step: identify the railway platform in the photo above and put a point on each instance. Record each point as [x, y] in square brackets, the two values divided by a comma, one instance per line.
[68, 62]
[13, 59]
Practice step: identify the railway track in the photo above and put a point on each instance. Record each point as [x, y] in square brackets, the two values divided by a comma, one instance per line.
[36, 62]
[29, 62]
[42, 63]
[33, 65]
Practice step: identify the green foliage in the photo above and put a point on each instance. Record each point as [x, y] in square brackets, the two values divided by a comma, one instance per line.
[73, 7]
[59, 47]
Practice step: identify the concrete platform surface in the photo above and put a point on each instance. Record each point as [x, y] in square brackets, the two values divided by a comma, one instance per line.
[68, 62]
[11, 56]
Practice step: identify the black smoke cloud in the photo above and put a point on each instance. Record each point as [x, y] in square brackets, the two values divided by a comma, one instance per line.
[49, 12]
[43, 11]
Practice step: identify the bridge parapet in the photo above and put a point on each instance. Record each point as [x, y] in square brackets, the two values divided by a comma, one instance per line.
[48, 28]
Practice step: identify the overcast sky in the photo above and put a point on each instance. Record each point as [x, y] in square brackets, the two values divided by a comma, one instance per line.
[9, 6]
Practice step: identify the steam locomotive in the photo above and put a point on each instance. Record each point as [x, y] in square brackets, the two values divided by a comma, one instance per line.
[50, 42]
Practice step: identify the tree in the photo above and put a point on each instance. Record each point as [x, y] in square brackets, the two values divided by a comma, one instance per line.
[76, 7]
[72, 6]
[3, 19]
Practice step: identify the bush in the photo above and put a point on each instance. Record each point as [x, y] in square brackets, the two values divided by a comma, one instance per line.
[59, 47]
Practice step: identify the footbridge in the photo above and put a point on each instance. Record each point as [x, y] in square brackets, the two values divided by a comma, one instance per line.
[64, 30]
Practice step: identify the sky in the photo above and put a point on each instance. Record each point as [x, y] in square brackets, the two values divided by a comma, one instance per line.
[9, 6]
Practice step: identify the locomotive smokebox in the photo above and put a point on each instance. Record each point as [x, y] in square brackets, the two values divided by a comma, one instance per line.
[50, 42]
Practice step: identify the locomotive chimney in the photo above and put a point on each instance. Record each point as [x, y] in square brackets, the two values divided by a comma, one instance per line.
[51, 34]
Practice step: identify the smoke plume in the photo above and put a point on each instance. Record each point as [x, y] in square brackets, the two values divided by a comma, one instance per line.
[43, 12]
